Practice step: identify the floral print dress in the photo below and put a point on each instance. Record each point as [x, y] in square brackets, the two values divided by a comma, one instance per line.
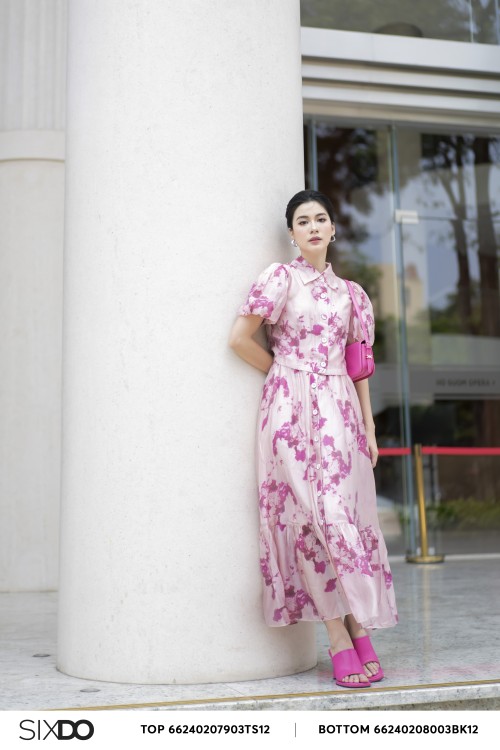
[322, 552]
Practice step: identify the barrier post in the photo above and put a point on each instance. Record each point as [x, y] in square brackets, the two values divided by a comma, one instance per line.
[424, 556]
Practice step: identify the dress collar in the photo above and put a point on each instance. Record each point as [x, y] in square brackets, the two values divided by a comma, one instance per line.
[308, 273]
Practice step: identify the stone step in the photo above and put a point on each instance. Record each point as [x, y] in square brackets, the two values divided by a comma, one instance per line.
[460, 696]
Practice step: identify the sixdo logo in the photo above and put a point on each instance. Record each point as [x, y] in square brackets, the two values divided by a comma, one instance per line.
[63, 729]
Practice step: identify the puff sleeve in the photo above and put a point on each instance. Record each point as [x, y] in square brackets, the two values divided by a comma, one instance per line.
[366, 309]
[267, 296]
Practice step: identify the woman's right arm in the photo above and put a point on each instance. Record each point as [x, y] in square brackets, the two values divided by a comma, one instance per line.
[242, 342]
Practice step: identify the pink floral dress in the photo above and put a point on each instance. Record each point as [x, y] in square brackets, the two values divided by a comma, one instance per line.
[322, 552]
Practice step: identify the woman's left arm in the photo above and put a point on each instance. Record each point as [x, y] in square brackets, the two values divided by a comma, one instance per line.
[363, 391]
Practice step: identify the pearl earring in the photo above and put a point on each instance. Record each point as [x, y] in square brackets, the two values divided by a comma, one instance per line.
[333, 238]
[292, 242]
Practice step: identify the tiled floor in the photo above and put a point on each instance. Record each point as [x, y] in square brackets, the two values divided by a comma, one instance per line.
[445, 650]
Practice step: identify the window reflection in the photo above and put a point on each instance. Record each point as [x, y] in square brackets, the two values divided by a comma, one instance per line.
[450, 277]
[485, 21]
[453, 330]
[454, 20]
[453, 181]
[352, 167]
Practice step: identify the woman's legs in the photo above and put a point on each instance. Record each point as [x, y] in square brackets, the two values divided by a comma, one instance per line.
[340, 634]
[356, 631]
[339, 641]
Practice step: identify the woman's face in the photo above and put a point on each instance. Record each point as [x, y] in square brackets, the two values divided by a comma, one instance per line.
[312, 228]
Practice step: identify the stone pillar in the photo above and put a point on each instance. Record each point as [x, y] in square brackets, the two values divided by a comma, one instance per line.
[184, 142]
[32, 70]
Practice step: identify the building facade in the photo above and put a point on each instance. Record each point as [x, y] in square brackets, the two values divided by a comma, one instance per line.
[401, 129]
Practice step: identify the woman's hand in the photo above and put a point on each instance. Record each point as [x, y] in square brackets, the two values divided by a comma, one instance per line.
[372, 445]
[363, 390]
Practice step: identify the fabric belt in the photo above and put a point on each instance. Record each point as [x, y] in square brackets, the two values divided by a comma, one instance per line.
[307, 368]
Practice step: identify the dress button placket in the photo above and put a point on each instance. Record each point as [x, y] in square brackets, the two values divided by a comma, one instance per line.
[316, 417]
[324, 339]
[316, 438]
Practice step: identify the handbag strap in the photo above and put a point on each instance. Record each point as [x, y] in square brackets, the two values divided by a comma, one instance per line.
[358, 311]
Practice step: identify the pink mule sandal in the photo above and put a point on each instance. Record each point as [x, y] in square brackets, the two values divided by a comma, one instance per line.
[366, 653]
[345, 663]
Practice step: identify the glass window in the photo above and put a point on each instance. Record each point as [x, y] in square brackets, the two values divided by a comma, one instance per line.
[455, 20]
[451, 264]
[352, 165]
[435, 286]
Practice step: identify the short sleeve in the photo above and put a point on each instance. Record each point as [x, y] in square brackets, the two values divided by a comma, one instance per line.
[267, 296]
[366, 309]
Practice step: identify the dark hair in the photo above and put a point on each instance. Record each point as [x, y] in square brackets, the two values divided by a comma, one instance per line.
[304, 197]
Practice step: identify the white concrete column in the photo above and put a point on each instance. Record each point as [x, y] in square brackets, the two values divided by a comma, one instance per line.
[184, 143]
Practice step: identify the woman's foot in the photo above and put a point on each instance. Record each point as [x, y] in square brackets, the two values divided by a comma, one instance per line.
[340, 641]
[355, 630]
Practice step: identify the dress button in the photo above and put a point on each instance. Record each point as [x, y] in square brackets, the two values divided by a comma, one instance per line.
[323, 295]
[320, 492]
[323, 364]
[318, 466]
[324, 340]
[316, 438]
[315, 411]
[313, 385]
[323, 316]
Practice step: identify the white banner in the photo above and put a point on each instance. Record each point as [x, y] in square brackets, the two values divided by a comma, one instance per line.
[377, 730]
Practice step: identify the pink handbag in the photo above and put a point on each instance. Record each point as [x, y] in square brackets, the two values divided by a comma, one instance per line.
[359, 358]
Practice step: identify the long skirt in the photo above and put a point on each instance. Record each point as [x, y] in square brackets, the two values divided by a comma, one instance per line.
[322, 551]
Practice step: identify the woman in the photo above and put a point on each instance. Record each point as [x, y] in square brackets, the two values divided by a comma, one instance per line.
[323, 556]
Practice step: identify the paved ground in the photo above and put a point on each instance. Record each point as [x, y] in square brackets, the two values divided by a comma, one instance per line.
[445, 650]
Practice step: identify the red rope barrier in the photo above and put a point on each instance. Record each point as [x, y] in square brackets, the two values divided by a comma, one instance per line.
[442, 451]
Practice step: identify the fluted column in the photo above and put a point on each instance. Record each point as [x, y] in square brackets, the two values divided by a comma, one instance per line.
[184, 143]
[32, 78]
